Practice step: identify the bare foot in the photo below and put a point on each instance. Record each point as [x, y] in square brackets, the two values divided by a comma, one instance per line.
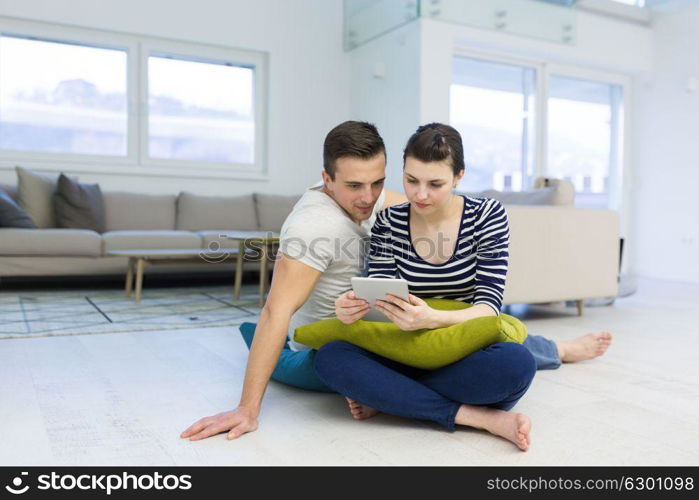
[515, 427]
[360, 411]
[586, 347]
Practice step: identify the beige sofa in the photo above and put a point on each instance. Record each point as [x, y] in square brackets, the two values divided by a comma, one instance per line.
[140, 221]
[561, 253]
[557, 252]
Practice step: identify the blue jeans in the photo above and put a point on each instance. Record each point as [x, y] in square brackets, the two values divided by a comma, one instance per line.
[497, 376]
[544, 351]
[296, 368]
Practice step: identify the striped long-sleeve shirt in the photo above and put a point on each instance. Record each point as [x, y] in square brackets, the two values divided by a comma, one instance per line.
[476, 271]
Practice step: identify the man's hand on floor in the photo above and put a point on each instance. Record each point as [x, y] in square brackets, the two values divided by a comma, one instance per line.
[236, 423]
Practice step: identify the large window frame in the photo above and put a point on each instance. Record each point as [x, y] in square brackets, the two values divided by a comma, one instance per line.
[136, 161]
[619, 173]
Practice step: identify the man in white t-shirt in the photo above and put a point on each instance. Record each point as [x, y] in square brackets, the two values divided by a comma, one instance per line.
[320, 252]
[321, 249]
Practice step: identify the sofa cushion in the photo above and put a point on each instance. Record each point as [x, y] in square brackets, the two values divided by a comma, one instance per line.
[198, 213]
[546, 192]
[10, 189]
[35, 195]
[150, 240]
[12, 215]
[273, 209]
[54, 242]
[126, 211]
[564, 190]
[543, 196]
[78, 206]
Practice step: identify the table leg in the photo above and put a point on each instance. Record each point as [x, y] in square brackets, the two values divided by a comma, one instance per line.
[239, 271]
[140, 265]
[263, 273]
[129, 276]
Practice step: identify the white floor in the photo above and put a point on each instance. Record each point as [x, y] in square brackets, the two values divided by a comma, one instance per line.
[123, 399]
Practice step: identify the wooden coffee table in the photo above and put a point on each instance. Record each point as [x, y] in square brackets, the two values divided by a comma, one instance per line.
[140, 258]
[252, 246]
[264, 245]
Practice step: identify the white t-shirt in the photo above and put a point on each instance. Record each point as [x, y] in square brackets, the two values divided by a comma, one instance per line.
[319, 233]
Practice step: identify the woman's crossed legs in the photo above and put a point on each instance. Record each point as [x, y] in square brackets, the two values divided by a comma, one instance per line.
[476, 391]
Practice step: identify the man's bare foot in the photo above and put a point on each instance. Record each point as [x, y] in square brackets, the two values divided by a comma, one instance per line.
[586, 347]
[360, 411]
[514, 427]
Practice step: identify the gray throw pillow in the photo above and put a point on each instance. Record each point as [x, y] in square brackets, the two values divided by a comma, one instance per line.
[12, 215]
[35, 196]
[79, 206]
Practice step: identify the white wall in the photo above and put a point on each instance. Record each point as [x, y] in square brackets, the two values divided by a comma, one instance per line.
[602, 44]
[666, 208]
[390, 98]
[308, 73]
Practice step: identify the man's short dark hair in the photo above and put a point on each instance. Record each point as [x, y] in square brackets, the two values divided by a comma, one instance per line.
[436, 142]
[353, 139]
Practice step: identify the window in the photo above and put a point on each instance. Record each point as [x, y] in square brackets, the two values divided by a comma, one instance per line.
[492, 107]
[200, 111]
[635, 3]
[62, 98]
[128, 104]
[522, 121]
[583, 130]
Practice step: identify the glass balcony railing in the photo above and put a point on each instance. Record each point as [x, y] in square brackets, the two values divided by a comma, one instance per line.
[369, 19]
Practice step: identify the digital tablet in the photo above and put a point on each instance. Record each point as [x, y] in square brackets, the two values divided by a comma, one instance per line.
[371, 289]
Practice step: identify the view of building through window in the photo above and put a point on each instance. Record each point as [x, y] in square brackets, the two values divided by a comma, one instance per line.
[583, 127]
[200, 111]
[59, 97]
[635, 3]
[492, 107]
[62, 98]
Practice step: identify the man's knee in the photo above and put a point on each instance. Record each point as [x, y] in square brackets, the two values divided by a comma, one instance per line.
[329, 356]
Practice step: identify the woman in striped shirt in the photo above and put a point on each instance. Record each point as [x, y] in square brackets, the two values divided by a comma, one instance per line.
[448, 246]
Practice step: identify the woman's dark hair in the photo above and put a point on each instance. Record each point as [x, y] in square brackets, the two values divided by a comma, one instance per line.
[353, 139]
[436, 142]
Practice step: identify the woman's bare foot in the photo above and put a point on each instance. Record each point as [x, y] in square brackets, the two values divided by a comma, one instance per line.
[514, 427]
[360, 411]
[586, 347]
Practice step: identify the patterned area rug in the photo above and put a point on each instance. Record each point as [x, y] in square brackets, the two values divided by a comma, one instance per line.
[80, 312]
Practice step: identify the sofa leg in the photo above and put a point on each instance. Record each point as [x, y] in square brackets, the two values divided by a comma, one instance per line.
[581, 306]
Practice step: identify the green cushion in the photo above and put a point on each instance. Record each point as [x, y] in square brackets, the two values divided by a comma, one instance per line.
[427, 349]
